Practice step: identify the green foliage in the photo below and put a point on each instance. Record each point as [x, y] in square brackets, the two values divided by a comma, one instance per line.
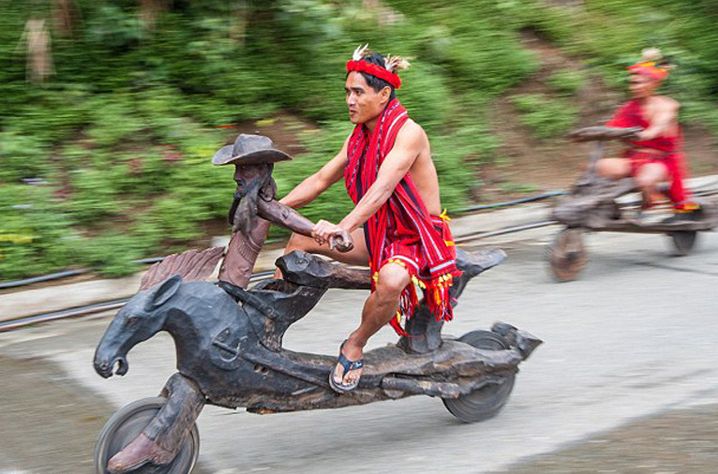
[520, 188]
[92, 196]
[611, 34]
[112, 254]
[567, 82]
[321, 145]
[114, 28]
[122, 134]
[546, 118]
[113, 121]
[34, 234]
[426, 95]
[21, 157]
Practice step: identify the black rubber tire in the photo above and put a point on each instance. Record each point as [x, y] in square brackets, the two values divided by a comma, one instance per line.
[567, 255]
[126, 423]
[684, 241]
[485, 402]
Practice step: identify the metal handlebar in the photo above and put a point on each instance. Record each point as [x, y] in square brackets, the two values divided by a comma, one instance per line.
[603, 133]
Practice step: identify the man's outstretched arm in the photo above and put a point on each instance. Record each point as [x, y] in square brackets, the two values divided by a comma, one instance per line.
[664, 118]
[308, 190]
[397, 163]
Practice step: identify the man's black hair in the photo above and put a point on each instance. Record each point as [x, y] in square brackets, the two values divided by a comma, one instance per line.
[373, 81]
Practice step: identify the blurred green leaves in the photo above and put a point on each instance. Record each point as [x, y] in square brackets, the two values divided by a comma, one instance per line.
[547, 118]
[119, 140]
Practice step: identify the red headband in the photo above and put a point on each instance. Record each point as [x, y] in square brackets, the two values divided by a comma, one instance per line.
[374, 70]
[649, 69]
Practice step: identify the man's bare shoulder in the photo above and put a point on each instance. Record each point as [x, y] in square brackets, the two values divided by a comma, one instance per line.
[412, 132]
[666, 103]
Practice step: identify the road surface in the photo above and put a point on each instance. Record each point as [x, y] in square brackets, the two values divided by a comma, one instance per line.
[626, 381]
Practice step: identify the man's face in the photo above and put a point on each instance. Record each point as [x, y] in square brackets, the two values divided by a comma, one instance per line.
[642, 86]
[363, 101]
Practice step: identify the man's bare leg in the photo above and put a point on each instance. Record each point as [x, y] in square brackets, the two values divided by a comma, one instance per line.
[648, 178]
[614, 168]
[378, 310]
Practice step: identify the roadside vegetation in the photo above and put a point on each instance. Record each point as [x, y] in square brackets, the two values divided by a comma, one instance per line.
[106, 159]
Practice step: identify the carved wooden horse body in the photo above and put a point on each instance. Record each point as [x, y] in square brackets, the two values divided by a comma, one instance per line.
[230, 355]
[229, 339]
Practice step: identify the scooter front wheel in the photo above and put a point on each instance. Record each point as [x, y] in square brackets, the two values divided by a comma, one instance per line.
[487, 401]
[567, 254]
[127, 423]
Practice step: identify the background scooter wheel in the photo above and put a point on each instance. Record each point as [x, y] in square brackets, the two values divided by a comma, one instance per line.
[127, 423]
[487, 401]
[567, 255]
[684, 241]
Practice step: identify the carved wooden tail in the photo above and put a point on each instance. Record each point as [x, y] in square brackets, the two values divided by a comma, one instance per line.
[190, 265]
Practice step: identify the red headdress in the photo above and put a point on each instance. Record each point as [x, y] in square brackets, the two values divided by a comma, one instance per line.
[651, 65]
[385, 73]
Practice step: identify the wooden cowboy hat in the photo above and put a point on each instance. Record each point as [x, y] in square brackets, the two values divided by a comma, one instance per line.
[249, 150]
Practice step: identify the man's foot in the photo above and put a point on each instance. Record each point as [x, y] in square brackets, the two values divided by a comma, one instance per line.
[345, 376]
[688, 211]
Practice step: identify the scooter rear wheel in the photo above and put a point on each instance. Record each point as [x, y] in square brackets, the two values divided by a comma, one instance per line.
[683, 241]
[487, 401]
[127, 423]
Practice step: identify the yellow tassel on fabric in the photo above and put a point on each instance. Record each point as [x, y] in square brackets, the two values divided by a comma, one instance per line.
[397, 261]
[444, 216]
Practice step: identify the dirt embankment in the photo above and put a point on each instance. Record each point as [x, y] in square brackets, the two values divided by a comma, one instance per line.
[533, 165]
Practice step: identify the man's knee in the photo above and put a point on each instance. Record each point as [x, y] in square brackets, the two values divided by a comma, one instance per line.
[393, 278]
[650, 175]
[644, 181]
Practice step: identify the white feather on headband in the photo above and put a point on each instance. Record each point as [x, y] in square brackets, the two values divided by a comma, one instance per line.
[391, 63]
[394, 63]
[651, 54]
[360, 52]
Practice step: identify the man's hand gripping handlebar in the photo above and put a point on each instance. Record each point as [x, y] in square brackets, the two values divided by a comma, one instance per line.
[337, 237]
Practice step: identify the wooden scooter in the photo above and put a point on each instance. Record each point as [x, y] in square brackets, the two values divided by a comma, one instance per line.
[229, 343]
[593, 205]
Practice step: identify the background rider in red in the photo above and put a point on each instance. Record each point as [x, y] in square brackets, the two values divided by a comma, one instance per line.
[396, 224]
[656, 154]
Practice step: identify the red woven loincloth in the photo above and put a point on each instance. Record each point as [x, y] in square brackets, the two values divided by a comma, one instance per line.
[668, 151]
[402, 230]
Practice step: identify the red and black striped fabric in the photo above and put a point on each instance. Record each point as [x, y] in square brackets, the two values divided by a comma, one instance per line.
[402, 231]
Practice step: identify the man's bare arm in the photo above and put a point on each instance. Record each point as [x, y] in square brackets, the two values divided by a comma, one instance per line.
[397, 163]
[664, 117]
[308, 190]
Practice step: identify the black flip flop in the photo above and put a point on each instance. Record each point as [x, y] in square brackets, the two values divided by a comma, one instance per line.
[348, 366]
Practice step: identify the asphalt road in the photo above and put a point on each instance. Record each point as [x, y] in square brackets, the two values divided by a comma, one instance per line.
[625, 382]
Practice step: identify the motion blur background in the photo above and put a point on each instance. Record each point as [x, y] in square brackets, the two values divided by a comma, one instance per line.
[111, 110]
